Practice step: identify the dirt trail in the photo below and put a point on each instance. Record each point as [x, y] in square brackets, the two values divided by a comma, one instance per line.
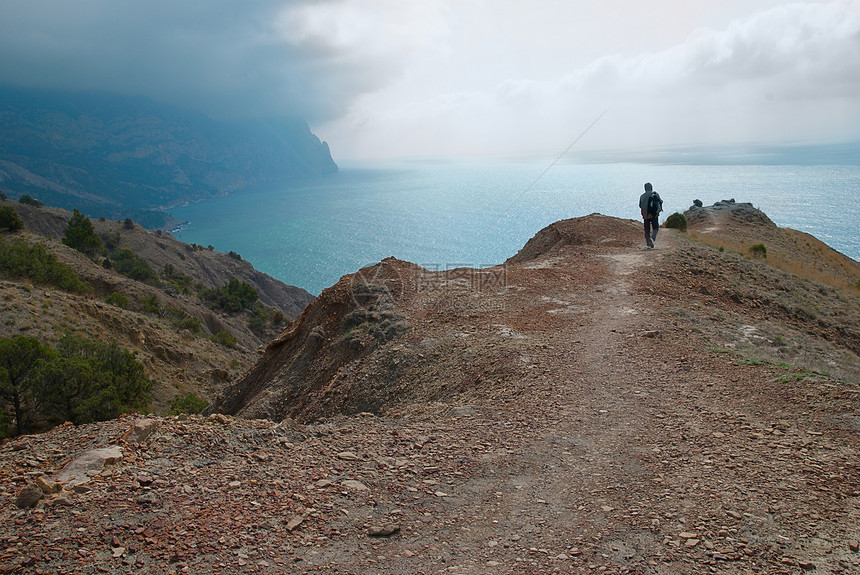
[572, 422]
[635, 451]
[565, 486]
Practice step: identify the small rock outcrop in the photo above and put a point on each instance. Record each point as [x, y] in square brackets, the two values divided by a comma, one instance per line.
[588, 230]
[81, 469]
[727, 212]
[299, 371]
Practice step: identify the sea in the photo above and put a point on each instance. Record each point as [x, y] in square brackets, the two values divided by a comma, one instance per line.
[443, 213]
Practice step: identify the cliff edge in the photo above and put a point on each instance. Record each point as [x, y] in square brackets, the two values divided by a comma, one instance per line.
[590, 406]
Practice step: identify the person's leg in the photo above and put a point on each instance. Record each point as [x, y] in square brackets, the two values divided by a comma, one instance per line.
[648, 241]
[655, 225]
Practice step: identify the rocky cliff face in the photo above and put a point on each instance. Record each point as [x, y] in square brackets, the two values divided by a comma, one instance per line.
[118, 156]
[394, 333]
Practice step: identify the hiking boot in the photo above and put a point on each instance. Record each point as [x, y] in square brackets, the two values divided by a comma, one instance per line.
[650, 244]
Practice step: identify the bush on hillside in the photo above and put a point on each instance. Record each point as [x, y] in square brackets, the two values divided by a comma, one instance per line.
[10, 220]
[30, 201]
[118, 299]
[18, 259]
[81, 235]
[758, 251]
[150, 304]
[191, 403]
[126, 262]
[80, 381]
[181, 282]
[233, 297]
[676, 221]
[224, 338]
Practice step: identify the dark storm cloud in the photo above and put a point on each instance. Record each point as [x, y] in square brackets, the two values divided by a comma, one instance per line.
[225, 57]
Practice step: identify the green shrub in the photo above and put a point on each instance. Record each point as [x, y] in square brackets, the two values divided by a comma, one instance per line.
[80, 381]
[191, 403]
[128, 224]
[676, 221]
[10, 220]
[260, 318]
[181, 282]
[91, 381]
[150, 304]
[30, 201]
[126, 262]
[117, 299]
[233, 298]
[181, 319]
[190, 323]
[18, 259]
[81, 235]
[111, 241]
[224, 338]
[758, 251]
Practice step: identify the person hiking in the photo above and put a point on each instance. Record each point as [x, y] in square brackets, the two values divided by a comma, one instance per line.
[650, 205]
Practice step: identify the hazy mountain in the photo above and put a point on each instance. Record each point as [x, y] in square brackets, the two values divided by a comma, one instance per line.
[119, 156]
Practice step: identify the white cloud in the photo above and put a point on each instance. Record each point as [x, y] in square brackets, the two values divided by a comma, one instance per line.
[384, 77]
[787, 72]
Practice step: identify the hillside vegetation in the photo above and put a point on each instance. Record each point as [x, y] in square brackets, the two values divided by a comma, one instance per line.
[64, 275]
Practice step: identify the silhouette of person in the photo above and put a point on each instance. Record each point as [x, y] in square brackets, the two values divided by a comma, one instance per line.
[650, 205]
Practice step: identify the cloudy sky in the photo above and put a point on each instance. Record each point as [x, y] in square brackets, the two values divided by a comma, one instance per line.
[382, 78]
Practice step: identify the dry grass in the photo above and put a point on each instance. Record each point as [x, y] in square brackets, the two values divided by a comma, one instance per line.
[795, 253]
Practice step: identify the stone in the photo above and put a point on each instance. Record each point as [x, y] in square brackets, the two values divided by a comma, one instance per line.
[144, 480]
[29, 496]
[854, 545]
[60, 502]
[47, 485]
[348, 456]
[383, 530]
[294, 522]
[141, 430]
[89, 463]
[357, 485]
[147, 499]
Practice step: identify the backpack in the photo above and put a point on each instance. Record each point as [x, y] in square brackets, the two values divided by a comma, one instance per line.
[655, 204]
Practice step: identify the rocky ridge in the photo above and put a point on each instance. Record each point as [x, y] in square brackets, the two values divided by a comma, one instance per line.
[588, 407]
[118, 156]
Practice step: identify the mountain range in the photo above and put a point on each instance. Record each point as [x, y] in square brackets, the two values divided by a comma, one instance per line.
[119, 156]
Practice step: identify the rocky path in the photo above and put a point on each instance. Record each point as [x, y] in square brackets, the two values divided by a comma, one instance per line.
[606, 439]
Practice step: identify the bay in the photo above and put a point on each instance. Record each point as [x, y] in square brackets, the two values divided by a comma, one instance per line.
[443, 214]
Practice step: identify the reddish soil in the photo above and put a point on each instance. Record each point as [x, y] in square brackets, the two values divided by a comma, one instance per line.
[602, 409]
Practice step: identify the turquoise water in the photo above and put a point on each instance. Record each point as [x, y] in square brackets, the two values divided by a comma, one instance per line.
[445, 214]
